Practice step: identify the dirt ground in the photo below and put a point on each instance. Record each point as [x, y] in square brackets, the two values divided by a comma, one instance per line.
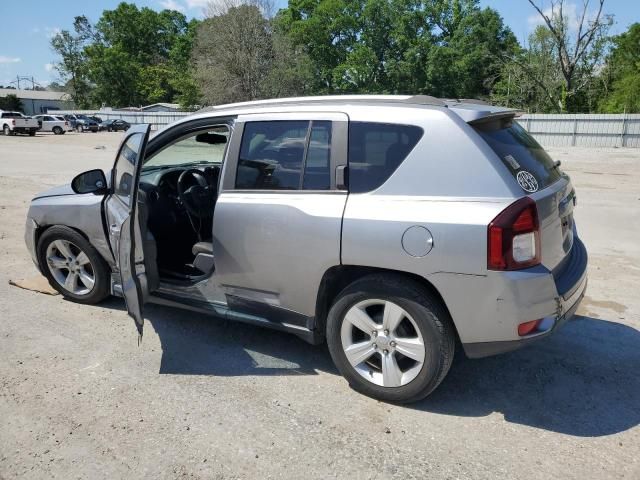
[202, 398]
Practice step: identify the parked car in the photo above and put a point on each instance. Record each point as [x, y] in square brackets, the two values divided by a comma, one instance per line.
[50, 123]
[387, 226]
[81, 123]
[16, 122]
[115, 125]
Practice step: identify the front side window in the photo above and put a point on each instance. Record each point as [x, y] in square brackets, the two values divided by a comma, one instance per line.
[375, 152]
[125, 168]
[285, 155]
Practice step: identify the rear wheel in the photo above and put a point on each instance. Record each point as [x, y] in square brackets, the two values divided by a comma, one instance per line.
[390, 338]
[32, 133]
[6, 130]
[58, 130]
[72, 266]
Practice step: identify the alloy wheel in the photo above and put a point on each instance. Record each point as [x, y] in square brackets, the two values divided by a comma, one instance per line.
[70, 267]
[382, 343]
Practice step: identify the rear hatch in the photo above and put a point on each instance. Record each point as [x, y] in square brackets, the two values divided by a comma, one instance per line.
[540, 178]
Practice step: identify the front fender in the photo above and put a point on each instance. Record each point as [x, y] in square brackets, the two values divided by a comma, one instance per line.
[80, 212]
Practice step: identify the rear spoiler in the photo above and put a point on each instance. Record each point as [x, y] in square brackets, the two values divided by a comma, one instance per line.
[476, 112]
[495, 116]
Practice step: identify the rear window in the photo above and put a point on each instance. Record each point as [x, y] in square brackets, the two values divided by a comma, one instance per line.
[527, 161]
[375, 152]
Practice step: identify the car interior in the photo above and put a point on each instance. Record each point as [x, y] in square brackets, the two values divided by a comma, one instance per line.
[176, 200]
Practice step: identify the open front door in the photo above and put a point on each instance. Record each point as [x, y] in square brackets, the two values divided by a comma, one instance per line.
[123, 217]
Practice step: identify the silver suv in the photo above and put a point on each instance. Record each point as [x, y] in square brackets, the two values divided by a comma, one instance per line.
[391, 227]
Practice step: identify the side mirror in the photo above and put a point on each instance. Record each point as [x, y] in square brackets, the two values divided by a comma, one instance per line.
[92, 181]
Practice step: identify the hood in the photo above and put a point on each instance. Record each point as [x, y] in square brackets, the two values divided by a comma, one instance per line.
[56, 191]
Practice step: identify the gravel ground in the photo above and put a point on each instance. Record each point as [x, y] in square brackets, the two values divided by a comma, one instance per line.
[202, 398]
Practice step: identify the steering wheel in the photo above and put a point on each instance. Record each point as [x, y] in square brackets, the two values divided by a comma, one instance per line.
[198, 198]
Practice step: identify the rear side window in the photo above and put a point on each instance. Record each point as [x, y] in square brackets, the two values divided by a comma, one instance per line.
[375, 152]
[285, 155]
[527, 161]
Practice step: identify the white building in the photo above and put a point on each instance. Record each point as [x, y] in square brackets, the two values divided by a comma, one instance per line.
[35, 102]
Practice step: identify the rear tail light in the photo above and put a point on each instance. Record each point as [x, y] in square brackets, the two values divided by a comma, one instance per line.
[66, 124]
[513, 240]
[13, 122]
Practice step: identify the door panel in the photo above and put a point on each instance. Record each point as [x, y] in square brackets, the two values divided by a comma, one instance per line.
[122, 213]
[273, 246]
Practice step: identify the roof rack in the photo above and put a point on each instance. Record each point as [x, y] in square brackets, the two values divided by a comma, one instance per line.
[426, 100]
[473, 101]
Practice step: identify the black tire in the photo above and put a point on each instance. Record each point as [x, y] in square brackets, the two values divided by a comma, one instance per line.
[7, 131]
[32, 134]
[100, 289]
[79, 128]
[57, 130]
[429, 314]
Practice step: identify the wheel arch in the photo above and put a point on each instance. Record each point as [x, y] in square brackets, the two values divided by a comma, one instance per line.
[43, 228]
[338, 277]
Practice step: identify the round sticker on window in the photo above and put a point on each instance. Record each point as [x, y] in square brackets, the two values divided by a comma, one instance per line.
[527, 181]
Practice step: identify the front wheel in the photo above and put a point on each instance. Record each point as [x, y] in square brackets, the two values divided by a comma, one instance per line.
[57, 130]
[390, 338]
[79, 129]
[72, 265]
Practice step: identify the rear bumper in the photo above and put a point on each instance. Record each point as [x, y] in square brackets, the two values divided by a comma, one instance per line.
[486, 349]
[25, 129]
[487, 309]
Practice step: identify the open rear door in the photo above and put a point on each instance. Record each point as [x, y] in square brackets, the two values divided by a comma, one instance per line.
[123, 217]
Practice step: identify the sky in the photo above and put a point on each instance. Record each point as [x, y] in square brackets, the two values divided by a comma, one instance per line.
[27, 26]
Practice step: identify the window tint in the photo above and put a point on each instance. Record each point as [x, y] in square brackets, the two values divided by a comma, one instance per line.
[519, 151]
[125, 168]
[285, 155]
[376, 150]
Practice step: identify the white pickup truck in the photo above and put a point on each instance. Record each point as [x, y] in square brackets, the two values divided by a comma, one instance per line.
[15, 122]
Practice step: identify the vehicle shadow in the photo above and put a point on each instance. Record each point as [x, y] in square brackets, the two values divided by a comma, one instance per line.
[583, 381]
[199, 344]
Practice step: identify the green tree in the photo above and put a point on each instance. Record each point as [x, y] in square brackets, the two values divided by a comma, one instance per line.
[131, 56]
[530, 79]
[11, 102]
[73, 66]
[579, 46]
[442, 47]
[623, 70]
[466, 61]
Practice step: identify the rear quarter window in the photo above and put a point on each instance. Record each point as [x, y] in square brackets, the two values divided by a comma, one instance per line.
[525, 159]
[376, 150]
